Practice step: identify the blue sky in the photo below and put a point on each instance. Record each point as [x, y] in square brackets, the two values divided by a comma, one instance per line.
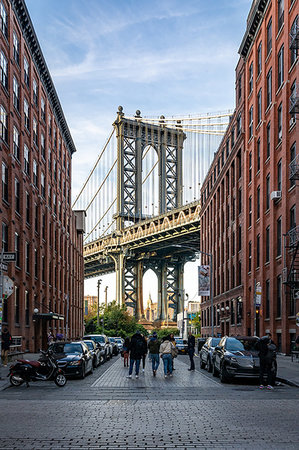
[162, 57]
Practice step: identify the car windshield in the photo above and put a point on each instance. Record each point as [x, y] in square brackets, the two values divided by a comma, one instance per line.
[67, 348]
[89, 345]
[98, 339]
[118, 340]
[111, 339]
[179, 341]
[234, 345]
[215, 342]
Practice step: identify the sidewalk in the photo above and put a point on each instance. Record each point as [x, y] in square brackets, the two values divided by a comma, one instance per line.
[288, 371]
[4, 379]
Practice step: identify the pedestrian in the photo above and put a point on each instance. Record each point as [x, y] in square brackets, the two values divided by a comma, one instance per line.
[175, 350]
[50, 337]
[6, 343]
[267, 355]
[166, 349]
[153, 348]
[126, 351]
[136, 352]
[144, 352]
[191, 350]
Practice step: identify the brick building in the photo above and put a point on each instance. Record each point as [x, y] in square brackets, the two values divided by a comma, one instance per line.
[36, 217]
[269, 54]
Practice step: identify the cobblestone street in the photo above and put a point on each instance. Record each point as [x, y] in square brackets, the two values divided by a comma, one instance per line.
[192, 410]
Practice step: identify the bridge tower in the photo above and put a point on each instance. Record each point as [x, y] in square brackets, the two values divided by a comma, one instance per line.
[133, 137]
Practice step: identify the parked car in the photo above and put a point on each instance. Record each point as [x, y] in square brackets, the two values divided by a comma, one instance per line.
[103, 342]
[120, 342]
[206, 353]
[74, 358]
[200, 343]
[236, 357]
[181, 345]
[95, 350]
[115, 349]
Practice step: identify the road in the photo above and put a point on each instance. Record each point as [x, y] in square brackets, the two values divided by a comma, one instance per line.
[192, 410]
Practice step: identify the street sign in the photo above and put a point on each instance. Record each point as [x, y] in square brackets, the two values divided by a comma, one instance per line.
[8, 286]
[258, 295]
[3, 266]
[9, 256]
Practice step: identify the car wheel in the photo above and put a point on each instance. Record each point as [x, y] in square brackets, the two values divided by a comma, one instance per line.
[214, 371]
[223, 374]
[202, 364]
[60, 380]
[209, 365]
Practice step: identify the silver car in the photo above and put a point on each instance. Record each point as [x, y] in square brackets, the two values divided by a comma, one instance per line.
[206, 353]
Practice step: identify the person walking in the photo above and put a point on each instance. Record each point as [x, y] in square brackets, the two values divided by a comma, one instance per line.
[126, 351]
[175, 350]
[6, 342]
[267, 355]
[191, 350]
[136, 352]
[166, 355]
[144, 352]
[153, 348]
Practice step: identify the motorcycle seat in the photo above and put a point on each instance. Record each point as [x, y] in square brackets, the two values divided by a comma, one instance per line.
[35, 364]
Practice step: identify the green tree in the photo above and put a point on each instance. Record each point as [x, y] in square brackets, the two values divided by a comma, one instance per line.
[196, 323]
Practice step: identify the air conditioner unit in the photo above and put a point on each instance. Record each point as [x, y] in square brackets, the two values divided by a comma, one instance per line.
[275, 195]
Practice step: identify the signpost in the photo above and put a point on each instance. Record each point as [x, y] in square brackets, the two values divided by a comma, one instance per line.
[6, 285]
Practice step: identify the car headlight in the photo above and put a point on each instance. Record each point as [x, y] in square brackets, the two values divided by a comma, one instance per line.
[230, 358]
[76, 363]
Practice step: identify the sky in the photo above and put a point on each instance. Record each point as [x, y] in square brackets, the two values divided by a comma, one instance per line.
[166, 57]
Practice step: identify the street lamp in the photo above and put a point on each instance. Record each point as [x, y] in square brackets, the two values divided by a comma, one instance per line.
[211, 278]
[98, 306]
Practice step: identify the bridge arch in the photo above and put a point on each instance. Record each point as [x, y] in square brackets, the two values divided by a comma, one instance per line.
[150, 181]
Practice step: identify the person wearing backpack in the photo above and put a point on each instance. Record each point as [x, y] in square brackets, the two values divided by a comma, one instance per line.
[153, 348]
[166, 350]
[267, 354]
[136, 352]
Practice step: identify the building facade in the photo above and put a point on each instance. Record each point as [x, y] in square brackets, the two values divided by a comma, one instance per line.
[268, 287]
[36, 217]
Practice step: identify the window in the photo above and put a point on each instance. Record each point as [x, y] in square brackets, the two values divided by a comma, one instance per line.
[267, 299]
[17, 249]
[258, 202]
[27, 257]
[16, 48]
[35, 263]
[258, 155]
[55, 170]
[292, 159]
[27, 207]
[42, 145]
[233, 244]
[278, 237]
[268, 139]
[222, 158]
[3, 68]
[268, 192]
[35, 132]
[269, 36]
[3, 14]
[49, 194]
[278, 298]
[258, 241]
[27, 309]
[35, 92]
[239, 200]
[294, 39]
[17, 305]
[239, 238]
[36, 218]
[279, 175]
[239, 124]
[239, 86]
[280, 67]
[232, 144]
[279, 122]
[35, 174]
[259, 106]
[15, 88]
[259, 58]
[250, 77]
[16, 140]
[249, 256]
[55, 137]
[49, 159]
[26, 114]
[250, 167]
[4, 237]
[267, 244]
[42, 184]
[239, 164]
[17, 196]
[293, 217]
[280, 8]
[4, 182]
[50, 125]
[43, 269]
[250, 122]
[3, 124]
[269, 88]
[43, 111]
[26, 71]
[44, 226]
[54, 203]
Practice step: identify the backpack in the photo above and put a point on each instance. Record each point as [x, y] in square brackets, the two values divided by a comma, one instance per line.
[139, 346]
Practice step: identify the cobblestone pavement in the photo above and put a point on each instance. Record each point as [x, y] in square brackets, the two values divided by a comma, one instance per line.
[192, 410]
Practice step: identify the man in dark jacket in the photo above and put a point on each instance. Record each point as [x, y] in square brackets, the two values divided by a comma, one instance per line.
[6, 341]
[267, 354]
[153, 347]
[136, 352]
[191, 350]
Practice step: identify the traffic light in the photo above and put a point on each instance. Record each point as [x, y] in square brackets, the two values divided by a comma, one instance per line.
[257, 311]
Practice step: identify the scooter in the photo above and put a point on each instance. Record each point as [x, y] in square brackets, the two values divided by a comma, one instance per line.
[24, 371]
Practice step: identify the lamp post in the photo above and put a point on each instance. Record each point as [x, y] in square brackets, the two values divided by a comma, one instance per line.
[211, 278]
[98, 306]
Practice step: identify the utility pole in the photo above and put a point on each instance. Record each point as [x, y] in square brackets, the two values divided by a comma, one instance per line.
[98, 306]
[106, 303]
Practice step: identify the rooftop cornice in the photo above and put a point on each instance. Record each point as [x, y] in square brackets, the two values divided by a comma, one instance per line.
[23, 17]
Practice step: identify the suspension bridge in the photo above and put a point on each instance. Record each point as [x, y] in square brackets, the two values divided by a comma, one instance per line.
[142, 203]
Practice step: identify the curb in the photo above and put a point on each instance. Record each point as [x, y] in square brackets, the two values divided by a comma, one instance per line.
[285, 381]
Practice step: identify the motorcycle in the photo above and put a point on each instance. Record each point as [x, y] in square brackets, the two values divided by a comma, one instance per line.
[25, 371]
